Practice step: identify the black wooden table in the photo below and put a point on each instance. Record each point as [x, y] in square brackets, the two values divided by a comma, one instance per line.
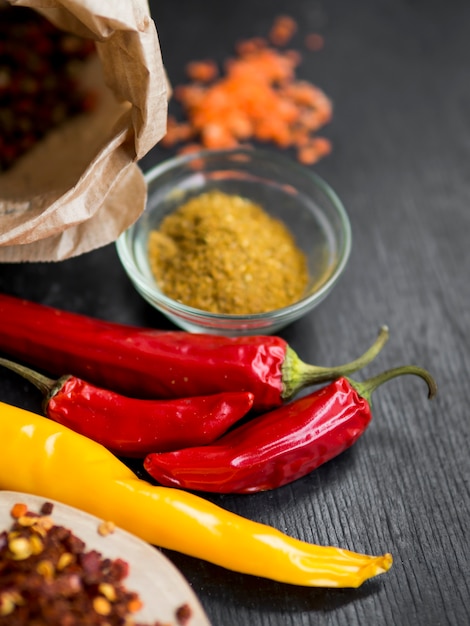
[399, 75]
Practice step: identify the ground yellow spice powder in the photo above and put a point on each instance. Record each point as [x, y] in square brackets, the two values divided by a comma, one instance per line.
[224, 254]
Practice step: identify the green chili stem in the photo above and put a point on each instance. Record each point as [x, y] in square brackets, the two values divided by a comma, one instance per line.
[367, 387]
[43, 383]
[296, 374]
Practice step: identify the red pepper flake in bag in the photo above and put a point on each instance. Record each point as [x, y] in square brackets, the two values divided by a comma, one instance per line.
[39, 85]
[258, 97]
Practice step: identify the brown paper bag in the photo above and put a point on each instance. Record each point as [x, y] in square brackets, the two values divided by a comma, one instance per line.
[80, 187]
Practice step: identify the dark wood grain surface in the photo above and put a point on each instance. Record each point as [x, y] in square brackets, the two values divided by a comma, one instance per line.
[399, 75]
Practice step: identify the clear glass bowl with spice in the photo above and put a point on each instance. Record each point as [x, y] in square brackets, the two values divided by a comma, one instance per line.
[236, 242]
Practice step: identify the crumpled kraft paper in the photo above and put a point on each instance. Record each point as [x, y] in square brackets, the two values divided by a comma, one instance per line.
[81, 187]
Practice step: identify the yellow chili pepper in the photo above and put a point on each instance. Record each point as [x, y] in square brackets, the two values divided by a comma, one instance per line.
[49, 460]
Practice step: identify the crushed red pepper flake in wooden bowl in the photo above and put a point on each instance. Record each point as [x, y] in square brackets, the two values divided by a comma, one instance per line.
[49, 578]
[257, 98]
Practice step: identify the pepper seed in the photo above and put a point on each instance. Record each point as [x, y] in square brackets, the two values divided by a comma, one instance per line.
[65, 559]
[45, 569]
[101, 605]
[108, 591]
[106, 528]
[37, 545]
[20, 548]
[27, 520]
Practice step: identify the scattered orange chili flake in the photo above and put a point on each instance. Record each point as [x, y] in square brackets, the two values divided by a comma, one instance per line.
[282, 30]
[257, 98]
[315, 150]
[176, 132]
[183, 614]
[203, 71]
[314, 42]
[248, 46]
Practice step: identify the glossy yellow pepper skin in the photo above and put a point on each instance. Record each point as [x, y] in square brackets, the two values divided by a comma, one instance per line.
[44, 458]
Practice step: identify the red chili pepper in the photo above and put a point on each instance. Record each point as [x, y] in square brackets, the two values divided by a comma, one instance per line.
[144, 362]
[131, 427]
[279, 447]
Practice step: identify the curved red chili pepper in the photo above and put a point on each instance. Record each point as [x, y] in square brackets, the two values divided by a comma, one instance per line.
[149, 363]
[279, 447]
[131, 427]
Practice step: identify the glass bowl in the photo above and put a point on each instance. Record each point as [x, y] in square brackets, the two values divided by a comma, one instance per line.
[288, 191]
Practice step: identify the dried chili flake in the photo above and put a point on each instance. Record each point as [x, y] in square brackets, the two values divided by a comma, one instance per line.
[46, 508]
[318, 147]
[203, 71]
[183, 614]
[39, 85]
[19, 510]
[48, 578]
[314, 42]
[106, 528]
[248, 46]
[257, 97]
[282, 30]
